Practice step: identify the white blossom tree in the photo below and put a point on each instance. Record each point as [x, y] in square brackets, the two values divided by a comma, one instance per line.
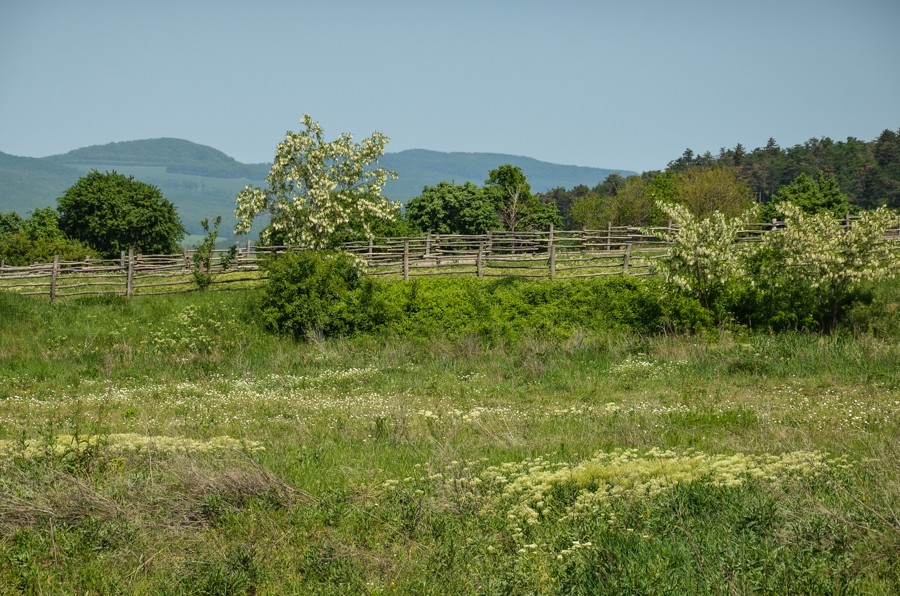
[816, 251]
[316, 189]
[703, 254]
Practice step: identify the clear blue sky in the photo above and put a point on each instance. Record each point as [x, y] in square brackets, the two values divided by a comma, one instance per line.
[625, 84]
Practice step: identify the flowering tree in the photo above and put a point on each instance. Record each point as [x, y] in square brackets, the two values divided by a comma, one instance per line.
[317, 190]
[815, 251]
[704, 255]
[804, 273]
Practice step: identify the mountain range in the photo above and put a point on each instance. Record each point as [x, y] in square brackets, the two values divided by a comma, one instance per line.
[203, 182]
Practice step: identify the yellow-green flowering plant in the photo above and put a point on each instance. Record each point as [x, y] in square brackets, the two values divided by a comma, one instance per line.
[317, 189]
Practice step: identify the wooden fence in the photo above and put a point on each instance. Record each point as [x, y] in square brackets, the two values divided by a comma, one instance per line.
[555, 254]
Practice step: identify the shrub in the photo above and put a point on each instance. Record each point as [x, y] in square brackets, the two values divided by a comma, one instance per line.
[804, 275]
[308, 293]
[19, 249]
[506, 309]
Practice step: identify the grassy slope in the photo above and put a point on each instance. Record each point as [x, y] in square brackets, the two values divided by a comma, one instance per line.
[376, 470]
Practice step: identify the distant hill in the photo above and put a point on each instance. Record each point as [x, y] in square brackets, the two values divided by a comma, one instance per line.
[177, 156]
[203, 182]
[418, 168]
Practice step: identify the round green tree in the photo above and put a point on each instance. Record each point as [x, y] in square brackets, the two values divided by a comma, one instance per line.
[111, 212]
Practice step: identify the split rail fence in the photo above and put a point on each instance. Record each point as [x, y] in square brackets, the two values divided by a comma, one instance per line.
[555, 254]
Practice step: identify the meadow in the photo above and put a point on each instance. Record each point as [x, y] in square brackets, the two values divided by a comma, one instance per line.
[167, 444]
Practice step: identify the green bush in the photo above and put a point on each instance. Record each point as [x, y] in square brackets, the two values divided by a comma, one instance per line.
[308, 293]
[20, 250]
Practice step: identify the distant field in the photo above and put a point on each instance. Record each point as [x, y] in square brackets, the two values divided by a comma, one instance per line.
[167, 445]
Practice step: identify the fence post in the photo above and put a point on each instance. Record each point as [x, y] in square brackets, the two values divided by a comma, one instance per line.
[428, 243]
[371, 249]
[551, 249]
[129, 276]
[846, 220]
[552, 260]
[406, 260]
[479, 260]
[627, 262]
[53, 276]
[609, 235]
[437, 248]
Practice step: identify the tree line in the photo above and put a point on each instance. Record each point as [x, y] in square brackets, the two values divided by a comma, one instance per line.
[819, 175]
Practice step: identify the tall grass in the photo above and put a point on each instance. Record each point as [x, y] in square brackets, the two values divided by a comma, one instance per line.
[169, 445]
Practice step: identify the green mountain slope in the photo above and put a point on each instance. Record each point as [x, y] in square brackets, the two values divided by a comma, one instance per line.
[28, 183]
[177, 156]
[418, 168]
[203, 182]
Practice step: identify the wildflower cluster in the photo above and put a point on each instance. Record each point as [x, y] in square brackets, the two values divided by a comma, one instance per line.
[536, 489]
[118, 444]
[318, 189]
[193, 331]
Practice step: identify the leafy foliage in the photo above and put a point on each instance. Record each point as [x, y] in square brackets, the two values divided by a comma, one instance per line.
[516, 207]
[704, 256]
[453, 209]
[11, 223]
[822, 195]
[37, 239]
[306, 292]
[312, 294]
[201, 260]
[807, 273]
[317, 189]
[20, 249]
[111, 212]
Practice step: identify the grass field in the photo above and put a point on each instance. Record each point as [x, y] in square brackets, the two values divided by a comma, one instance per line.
[168, 445]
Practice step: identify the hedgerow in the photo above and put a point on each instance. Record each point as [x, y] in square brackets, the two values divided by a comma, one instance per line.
[324, 294]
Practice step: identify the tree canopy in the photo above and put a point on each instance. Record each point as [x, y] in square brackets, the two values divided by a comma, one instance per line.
[111, 212]
[448, 208]
[317, 190]
[822, 195]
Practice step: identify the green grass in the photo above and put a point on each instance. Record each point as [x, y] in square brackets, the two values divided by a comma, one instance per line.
[590, 462]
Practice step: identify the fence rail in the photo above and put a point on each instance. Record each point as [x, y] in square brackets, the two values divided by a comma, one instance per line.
[622, 250]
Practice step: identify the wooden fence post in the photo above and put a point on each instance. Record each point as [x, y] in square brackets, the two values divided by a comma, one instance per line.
[53, 277]
[129, 275]
[428, 243]
[551, 249]
[479, 260]
[552, 260]
[371, 249]
[406, 260]
[627, 262]
[846, 220]
[609, 235]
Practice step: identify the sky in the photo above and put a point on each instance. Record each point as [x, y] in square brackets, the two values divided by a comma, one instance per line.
[622, 85]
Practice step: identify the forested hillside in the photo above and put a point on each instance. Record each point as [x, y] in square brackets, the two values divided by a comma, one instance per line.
[865, 175]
